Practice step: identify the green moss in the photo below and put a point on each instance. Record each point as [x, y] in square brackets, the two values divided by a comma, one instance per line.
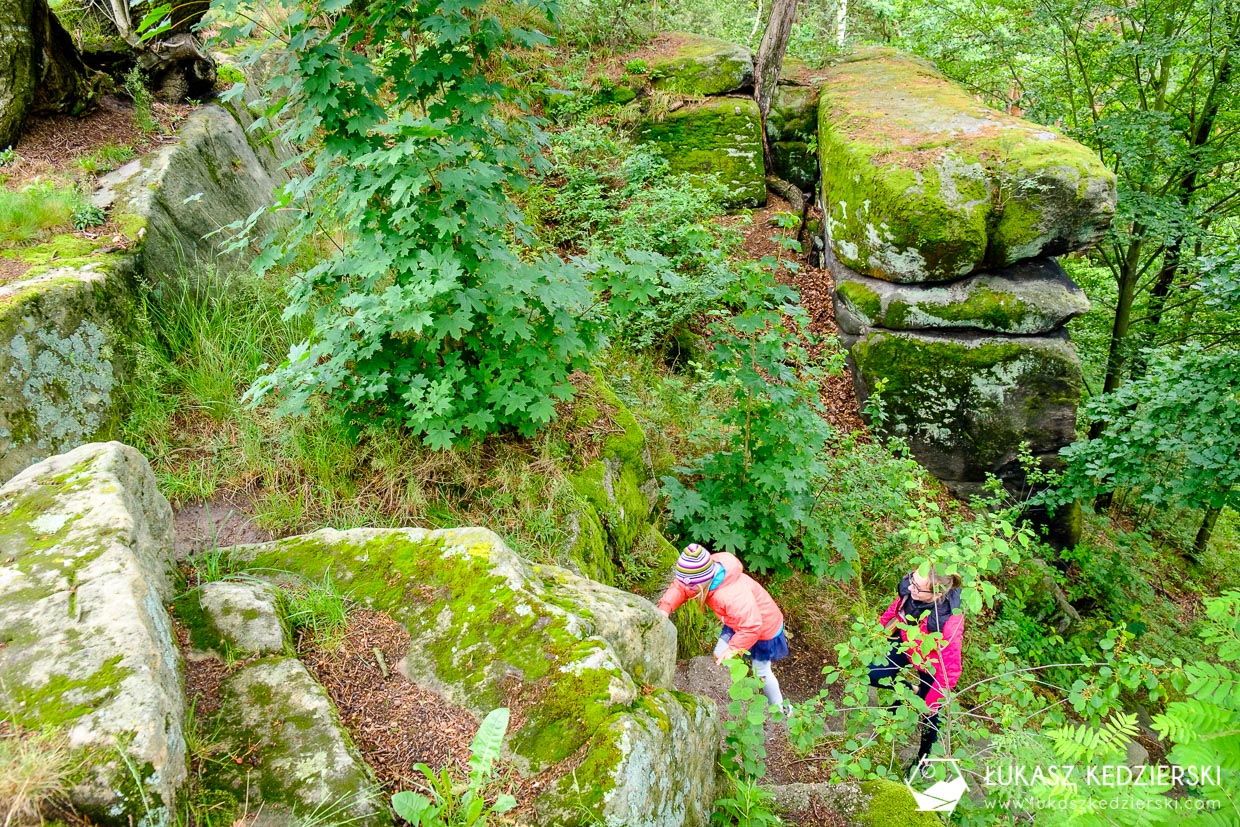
[64, 699]
[702, 66]
[961, 396]
[226, 75]
[611, 486]
[892, 804]
[926, 184]
[203, 634]
[998, 311]
[720, 137]
[861, 300]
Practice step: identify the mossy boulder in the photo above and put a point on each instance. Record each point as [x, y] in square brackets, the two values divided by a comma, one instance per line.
[696, 65]
[613, 536]
[966, 402]
[872, 803]
[216, 173]
[86, 569]
[923, 183]
[66, 350]
[588, 667]
[720, 137]
[1028, 298]
[241, 619]
[303, 761]
[791, 129]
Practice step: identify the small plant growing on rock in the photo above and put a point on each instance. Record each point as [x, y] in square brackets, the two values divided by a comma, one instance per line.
[461, 805]
[7, 156]
[87, 215]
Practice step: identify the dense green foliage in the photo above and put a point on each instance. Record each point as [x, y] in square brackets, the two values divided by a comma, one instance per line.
[1173, 435]
[758, 490]
[432, 310]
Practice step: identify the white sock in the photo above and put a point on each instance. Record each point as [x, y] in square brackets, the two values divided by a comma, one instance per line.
[770, 683]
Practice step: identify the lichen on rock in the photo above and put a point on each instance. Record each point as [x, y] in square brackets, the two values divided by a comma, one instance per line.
[65, 348]
[86, 544]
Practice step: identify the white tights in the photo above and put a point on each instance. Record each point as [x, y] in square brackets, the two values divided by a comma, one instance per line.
[761, 668]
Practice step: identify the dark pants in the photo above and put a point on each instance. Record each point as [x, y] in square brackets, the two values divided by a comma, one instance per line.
[883, 675]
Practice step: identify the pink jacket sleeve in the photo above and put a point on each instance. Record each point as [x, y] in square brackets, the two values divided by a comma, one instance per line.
[674, 597]
[890, 613]
[945, 662]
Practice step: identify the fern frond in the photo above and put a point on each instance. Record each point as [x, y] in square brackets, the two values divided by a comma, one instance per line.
[1214, 683]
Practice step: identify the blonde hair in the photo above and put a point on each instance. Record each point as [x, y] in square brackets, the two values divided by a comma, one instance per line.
[940, 584]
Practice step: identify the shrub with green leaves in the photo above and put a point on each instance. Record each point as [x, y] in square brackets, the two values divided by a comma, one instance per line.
[622, 206]
[756, 486]
[433, 311]
[1173, 436]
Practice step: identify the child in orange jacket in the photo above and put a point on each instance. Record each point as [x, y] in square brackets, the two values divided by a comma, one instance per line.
[752, 623]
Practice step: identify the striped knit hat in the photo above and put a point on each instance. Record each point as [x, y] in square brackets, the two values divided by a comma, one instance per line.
[695, 566]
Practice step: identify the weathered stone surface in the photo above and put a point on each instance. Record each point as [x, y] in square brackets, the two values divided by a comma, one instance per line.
[966, 402]
[245, 616]
[215, 173]
[791, 127]
[721, 136]
[693, 64]
[65, 350]
[922, 183]
[875, 803]
[86, 545]
[489, 629]
[666, 745]
[1028, 298]
[612, 533]
[306, 764]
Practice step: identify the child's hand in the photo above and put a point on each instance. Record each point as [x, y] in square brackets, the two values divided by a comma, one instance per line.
[721, 658]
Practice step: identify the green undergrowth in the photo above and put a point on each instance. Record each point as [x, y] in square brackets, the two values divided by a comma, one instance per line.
[36, 211]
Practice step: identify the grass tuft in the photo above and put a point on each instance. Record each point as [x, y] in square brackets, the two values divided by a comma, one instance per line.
[34, 771]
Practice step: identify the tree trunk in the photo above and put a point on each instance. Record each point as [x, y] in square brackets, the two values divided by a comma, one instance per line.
[1204, 533]
[41, 71]
[769, 61]
[178, 68]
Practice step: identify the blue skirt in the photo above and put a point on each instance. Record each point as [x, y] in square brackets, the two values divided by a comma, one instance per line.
[775, 648]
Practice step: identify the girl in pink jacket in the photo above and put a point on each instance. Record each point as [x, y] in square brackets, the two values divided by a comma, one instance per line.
[931, 603]
[752, 623]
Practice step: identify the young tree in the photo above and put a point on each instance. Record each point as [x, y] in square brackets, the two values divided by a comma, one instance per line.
[1172, 435]
[432, 310]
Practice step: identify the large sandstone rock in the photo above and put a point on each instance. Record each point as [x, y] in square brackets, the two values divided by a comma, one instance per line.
[613, 535]
[306, 764]
[966, 402]
[1029, 298]
[791, 129]
[720, 136]
[922, 183]
[216, 173]
[590, 667]
[65, 352]
[693, 64]
[86, 568]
